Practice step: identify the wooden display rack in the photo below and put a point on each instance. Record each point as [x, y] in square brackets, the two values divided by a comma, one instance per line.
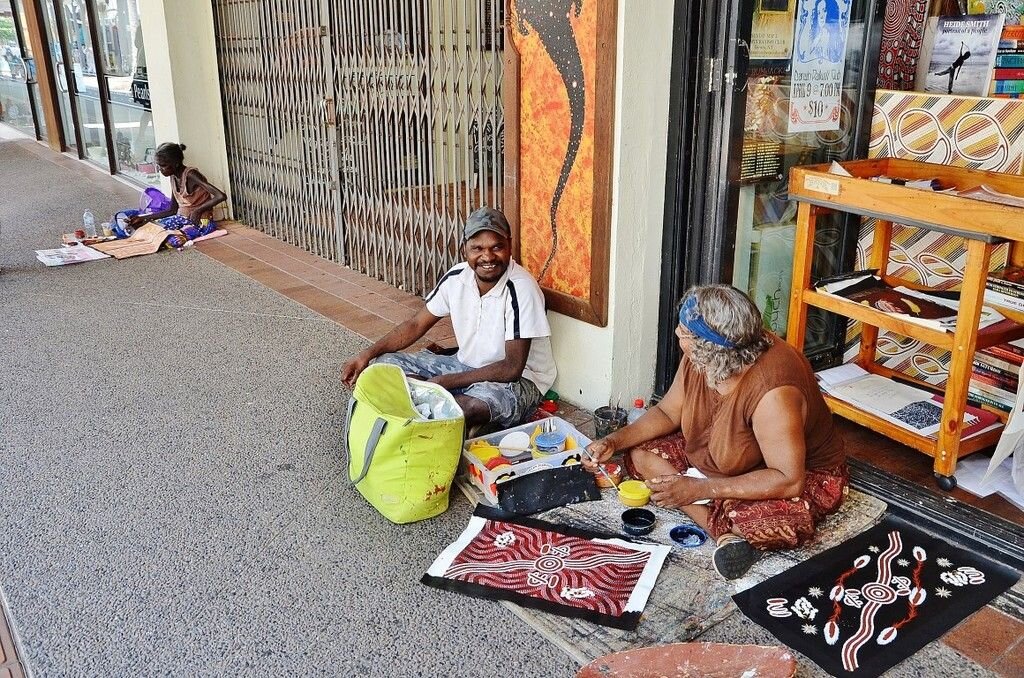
[983, 224]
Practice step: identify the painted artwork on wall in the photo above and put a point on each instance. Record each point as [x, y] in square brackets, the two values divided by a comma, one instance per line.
[560, 150]
[979, 133]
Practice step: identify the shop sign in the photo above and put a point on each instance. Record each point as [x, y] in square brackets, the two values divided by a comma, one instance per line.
[819, 58]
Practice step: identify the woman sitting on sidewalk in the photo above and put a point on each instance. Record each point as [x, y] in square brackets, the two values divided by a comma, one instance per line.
[755, 425]
[192, 196]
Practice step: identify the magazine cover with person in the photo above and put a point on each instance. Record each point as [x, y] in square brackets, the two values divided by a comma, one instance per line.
[964, 54]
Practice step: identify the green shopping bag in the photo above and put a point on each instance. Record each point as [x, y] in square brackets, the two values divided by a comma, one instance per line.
[400, 461]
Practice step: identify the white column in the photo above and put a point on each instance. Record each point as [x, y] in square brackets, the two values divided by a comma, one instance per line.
[184, 83]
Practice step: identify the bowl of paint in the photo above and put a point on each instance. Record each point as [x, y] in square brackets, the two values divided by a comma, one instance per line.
[688, 536]
[637, 522]
[611, 470]
[549, 443]
[634, 493]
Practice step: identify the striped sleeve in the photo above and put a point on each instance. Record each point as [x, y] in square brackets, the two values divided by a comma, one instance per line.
[437, 300]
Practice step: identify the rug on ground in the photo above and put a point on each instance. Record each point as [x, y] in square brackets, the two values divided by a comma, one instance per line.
[864, 606]
[689, 597]
[566, 571]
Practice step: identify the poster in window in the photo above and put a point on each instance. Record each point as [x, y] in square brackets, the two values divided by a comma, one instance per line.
[819, 59]
[771, 35]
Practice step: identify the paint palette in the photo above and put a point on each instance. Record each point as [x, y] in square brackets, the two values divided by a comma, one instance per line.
[485, 462]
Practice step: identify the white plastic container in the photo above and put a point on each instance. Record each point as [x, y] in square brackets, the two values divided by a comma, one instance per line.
[638, 411]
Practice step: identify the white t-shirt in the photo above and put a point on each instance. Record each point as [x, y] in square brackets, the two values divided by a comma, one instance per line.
[512, 309]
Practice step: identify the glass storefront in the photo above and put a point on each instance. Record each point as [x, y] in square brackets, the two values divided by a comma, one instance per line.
[124, 66]
[100, 82]
[17, 73]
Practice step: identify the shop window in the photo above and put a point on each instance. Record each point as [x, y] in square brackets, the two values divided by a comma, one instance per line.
[16, 71]
[123, 57]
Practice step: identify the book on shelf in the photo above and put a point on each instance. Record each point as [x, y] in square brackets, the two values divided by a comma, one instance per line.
[992, 384]
[984, 420]
[985, 399]
[998, 297]
[984, 357]
[1004, 73]
[963, 54]
[909, 407]
[1007, 87]
[1009, 60]
[1007, 378]
[911, 305]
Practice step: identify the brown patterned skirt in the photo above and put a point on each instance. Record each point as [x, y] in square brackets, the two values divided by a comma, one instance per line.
[767, 524]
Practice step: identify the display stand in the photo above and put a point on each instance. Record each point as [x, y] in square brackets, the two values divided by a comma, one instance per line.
[983, 224]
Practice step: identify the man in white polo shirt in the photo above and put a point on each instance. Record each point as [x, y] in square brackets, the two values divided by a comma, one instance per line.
[504, 364]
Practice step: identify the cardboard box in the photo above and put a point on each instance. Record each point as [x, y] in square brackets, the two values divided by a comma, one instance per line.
[487, 479]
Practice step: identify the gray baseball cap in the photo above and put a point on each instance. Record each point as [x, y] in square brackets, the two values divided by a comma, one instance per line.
[486, 219]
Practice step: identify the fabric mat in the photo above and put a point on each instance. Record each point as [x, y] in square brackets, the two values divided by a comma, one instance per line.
[558, 569]
[869, 603]
[689, 596]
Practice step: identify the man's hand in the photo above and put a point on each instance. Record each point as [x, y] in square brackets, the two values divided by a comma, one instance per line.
[444, 381]
[676, 491]
[351, 370]
[600, 452]
[137, 220]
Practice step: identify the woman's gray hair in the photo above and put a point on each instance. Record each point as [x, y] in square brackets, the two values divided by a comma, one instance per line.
[732, 314]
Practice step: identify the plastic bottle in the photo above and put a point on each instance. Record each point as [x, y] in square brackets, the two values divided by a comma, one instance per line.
[89, 224]
[638, 411]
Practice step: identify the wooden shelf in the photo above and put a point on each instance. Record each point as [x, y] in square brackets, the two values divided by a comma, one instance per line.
[983, 224]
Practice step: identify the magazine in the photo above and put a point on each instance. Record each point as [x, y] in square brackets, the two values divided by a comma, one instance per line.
[73, 254]
[963, 54]
[907, 406]
[918, 307]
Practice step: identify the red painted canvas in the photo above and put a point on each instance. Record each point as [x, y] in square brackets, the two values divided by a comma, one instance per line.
[562, 570]
[902, 35]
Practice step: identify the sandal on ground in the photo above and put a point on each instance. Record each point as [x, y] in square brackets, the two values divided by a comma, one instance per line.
[734, 556]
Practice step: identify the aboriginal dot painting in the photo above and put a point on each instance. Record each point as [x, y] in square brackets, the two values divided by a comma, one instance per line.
[561, 570]
[864, 606]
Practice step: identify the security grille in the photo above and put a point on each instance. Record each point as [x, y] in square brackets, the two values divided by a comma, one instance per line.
[364, 131]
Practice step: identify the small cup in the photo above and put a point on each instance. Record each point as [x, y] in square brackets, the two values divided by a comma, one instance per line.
[688, 536]
[550, 443]
[608, 420]
[634, 493]
[637, 522]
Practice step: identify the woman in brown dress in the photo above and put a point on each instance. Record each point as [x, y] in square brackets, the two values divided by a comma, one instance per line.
[745, 411]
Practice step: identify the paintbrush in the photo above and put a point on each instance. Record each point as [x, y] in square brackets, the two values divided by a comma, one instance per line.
[601, 469]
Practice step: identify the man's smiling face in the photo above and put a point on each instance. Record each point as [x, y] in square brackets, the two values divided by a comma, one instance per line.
[488, 254]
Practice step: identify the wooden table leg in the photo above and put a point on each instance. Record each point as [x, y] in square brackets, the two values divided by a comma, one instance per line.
[803, 257]
[965, 339]
[880, 245]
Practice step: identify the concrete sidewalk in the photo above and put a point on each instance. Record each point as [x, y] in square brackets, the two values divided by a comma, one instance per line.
[174, 500]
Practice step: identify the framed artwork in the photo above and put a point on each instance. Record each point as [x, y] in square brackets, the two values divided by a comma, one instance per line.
[559, 117]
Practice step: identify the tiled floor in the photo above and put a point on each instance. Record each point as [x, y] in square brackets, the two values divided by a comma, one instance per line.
[10, 667]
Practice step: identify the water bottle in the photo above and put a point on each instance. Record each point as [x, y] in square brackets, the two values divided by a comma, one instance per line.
[637, 411]
[89, 224]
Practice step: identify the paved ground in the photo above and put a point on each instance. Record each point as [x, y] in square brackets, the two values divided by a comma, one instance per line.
[173, 500]
[173, 493]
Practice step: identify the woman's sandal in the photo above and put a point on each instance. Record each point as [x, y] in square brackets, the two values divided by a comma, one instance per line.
[734, 556]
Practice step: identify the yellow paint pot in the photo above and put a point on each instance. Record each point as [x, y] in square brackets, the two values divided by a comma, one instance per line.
[634, 493]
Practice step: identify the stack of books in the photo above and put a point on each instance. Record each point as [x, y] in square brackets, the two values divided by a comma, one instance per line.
[1005, 288]
[994, 377]
[1008, 74]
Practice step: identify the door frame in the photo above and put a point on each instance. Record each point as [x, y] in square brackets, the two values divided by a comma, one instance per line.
[698, 199]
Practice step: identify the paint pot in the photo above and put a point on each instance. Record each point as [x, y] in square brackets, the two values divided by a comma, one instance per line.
[550, 443]
[688, 536]
[611, 470]
[608, 420]
[634, 493]
[515, 444]
[637, 522]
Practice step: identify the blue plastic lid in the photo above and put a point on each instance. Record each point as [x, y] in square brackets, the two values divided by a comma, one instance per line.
[550, 440]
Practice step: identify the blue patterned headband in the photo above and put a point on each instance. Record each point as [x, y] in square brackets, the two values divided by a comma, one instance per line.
[691, 319]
